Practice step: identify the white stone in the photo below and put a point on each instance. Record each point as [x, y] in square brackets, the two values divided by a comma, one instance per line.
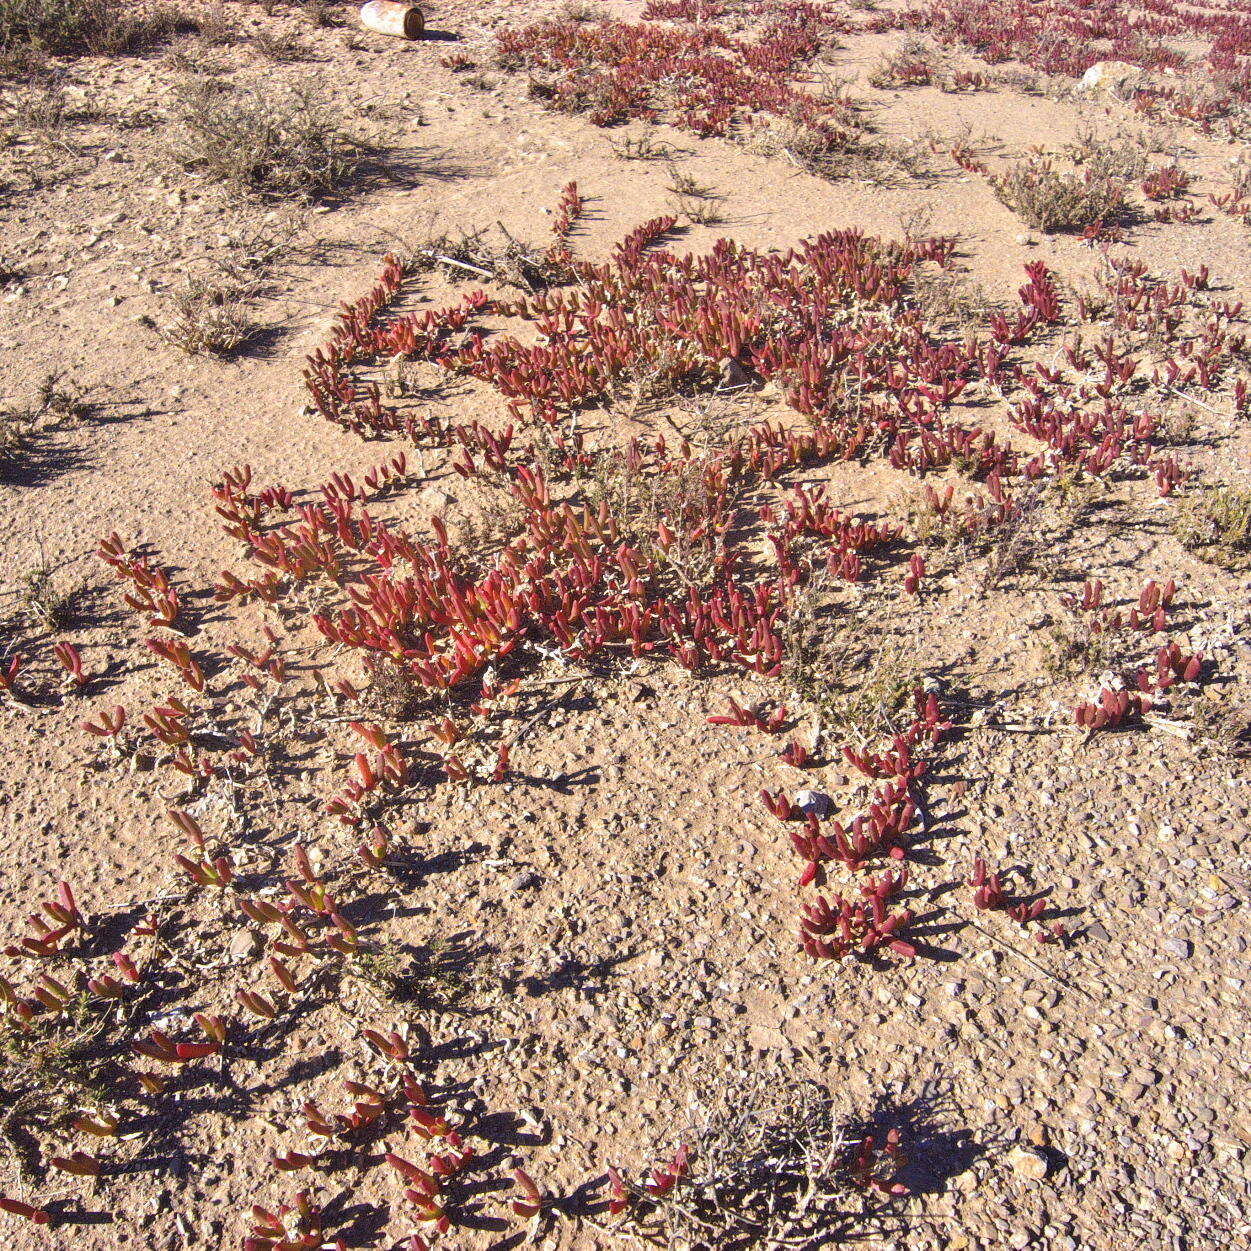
[813, 804]
[1114, 77]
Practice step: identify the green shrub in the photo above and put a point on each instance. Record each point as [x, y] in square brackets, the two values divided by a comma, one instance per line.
[1217, 521]
[1058, 201]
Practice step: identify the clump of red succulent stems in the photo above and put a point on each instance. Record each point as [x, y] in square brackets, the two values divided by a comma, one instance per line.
[831, 929]
[530, 1205]
[584, 590]
[1149, 614]
[1195, 330]
[756, 718]
[57, 920]
[151, 591]
[1112, 708]
[587, 349]
[70, 659]
[882, 828]
[812, 515]
[356, 337]
[311, 923]
[964, 155]
[264, 664]
[160, 1047]
[1172, 665]
[897, 761]
[384, 773]
[903, 69]
[990, 894]
[377, 848]
[476, 624]
[585, 576]
[974, 515]
[652, 311]
[873, 1166]
[1233, 204]
[1117, 706]
[153, 594]
[967, 80]
[657, 1186]
[1169, 182]
[444, 1153]
[295, 1226]
[167, 723]
[51, 996]
[1066, 38]
[176, 653]
[197, 743]
[81, 994]
[109, 724]
[613, 71]
[369, 1106]
[27, 1211]
[391, 1046]
[10, 667]
[202, 869]
[569, 210]
[1176, 211]
[794, 754]
[377, 482]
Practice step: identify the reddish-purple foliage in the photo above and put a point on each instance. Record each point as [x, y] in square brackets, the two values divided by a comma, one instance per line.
[613, 71]
[1067, 37]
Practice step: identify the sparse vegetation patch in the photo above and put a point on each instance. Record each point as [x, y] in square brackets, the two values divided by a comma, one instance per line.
[282, 143]
[709, 741]
[1055, 200]
[31, 28]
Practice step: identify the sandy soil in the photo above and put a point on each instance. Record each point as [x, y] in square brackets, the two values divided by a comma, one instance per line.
[595, 956]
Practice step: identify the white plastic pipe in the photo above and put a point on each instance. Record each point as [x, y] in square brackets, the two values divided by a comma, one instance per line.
[390, 18]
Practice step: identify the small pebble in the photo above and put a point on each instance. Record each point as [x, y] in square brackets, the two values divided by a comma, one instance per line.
[1028, 1163]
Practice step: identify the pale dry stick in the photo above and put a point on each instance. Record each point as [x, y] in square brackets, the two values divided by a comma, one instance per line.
[473, 269]
[581, 677]
[176, 897]
[1042, 968]
[1179, 729]
[1010, 727]
[546, 708]
[1208, 407]
[16, 701]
